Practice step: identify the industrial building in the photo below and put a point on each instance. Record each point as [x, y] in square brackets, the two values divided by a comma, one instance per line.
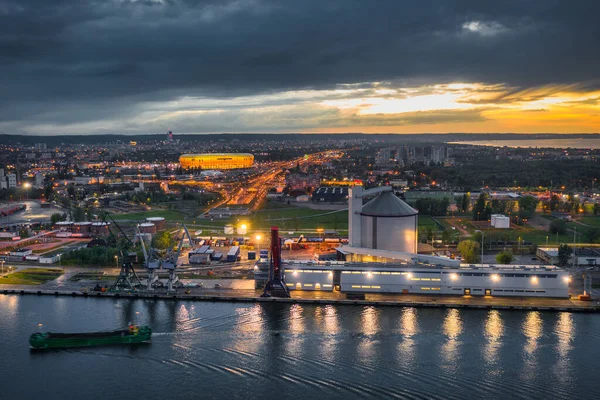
[484, 280]
[217, 160]
[381, 257]
[327, 194]
[500, 221]
[384, 223]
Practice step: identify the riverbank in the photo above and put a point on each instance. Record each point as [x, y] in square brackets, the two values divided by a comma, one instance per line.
[490, 303]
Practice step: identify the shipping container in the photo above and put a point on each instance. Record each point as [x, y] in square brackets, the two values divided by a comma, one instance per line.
[251, 255]
[216, 256]
[233, 254]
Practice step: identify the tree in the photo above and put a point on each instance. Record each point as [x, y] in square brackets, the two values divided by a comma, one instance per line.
[56, 217]
[464, 202]
[528, 203]
[469, 250]
[48, 191]
[479, 208]
[564, 255]
[596, 209]
[71, 191]
[554, 202]
[558, 226]
[505, 257]
[78, 214]
[162, 241]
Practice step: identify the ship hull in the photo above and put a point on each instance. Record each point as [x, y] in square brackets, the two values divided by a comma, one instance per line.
[40, 341]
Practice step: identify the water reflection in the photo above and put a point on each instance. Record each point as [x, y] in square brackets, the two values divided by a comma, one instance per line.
[564, 331]
[332, 323]
[409, 327]
[369, 326]
[248, 330]
[532, 330]
[293, 345]
[453, 328]
[494, 329]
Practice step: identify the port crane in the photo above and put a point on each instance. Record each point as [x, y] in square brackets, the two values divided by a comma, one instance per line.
[169, 263]
[128, 278]
[151, 263]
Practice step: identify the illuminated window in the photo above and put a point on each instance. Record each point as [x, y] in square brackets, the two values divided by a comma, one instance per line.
[398, 273]
[346, 272]
[435, 288]
[356, 272]
[326, 285]
[366, 287]
[355, 286]
[415, 279]
[425, 288]
[425, 279]
[290, 284]
[375, 287]
[377, 273]
[385, 273]
[308, 284]
[436, 279]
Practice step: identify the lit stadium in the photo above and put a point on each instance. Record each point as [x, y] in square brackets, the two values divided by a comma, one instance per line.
[217, 160]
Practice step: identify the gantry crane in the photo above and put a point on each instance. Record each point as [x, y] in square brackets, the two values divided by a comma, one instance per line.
[151, 263]
[170, 261]
[127, 279]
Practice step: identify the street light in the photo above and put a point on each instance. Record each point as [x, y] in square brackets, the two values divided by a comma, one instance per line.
[258, 237]
[27, 185]
[117, 261]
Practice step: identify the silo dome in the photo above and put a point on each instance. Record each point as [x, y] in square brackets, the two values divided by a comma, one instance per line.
[388, 223]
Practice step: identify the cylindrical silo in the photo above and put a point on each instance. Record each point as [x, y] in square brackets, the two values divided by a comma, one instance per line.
[148, 227]
[158, 221]
[388, 223]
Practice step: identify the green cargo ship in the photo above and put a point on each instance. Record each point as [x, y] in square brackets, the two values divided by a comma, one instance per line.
[51, 340]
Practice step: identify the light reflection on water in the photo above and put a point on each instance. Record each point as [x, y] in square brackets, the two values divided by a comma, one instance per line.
[494, 330]
[453, 328]
[245, 350]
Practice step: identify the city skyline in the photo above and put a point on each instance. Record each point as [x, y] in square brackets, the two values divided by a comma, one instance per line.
[130, 67]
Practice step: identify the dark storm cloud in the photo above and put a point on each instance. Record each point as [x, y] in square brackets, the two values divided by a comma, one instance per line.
[96, 57]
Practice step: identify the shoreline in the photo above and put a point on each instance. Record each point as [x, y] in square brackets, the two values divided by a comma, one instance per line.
[424, 303]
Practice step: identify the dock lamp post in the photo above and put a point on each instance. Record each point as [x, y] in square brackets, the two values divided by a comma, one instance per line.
[117, 261]
[258, 237]
[482, 233]
[27, 185]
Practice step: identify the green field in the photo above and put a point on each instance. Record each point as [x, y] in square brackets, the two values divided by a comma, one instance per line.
[170, 215]
[31, 276]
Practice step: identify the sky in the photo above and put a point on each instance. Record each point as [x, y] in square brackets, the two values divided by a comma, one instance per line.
[210, 66]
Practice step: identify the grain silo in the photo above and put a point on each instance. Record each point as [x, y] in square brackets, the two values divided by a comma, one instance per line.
[384, 223]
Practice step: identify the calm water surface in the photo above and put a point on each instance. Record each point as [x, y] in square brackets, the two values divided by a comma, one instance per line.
[542, 143]
[253, 351]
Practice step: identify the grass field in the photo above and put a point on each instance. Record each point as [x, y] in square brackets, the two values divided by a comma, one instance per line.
[170, 215]
[31, 276]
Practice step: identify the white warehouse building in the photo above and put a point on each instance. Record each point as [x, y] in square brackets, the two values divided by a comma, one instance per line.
[490, 280]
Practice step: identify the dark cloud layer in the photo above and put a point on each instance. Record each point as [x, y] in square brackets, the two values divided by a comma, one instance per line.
[80, 60]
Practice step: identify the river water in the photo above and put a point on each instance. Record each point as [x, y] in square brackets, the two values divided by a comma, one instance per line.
[264, 351]
[576, 143]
